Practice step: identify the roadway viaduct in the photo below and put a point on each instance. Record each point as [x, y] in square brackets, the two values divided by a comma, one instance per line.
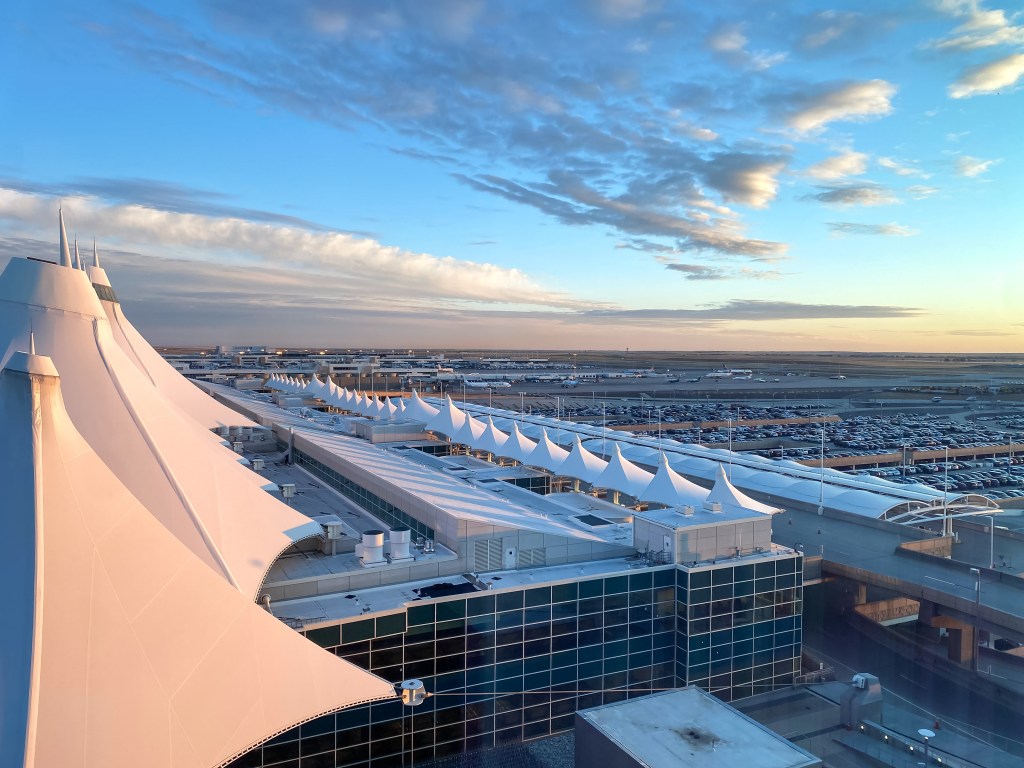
[921, 565]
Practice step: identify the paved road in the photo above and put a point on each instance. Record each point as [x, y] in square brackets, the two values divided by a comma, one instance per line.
[848, 543]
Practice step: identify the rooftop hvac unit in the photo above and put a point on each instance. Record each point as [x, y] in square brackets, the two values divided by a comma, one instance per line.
[288, 490]
[860, 681]
[258, 465]
[428, 546]
[398, 544]
[370, 550]
[713, 507]
[236, 447]
[687, 511]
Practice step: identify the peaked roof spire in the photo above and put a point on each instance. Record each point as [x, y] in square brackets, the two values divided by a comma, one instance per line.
[95, 254]
[31, 342]
[78, 258]
[65, 254]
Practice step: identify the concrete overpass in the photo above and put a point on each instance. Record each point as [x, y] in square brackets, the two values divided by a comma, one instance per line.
[912, 563]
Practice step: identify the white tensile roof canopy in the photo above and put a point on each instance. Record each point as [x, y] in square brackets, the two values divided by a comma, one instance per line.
[120, 646]
[518, 446]
[726, 494]
[670, 488]
[582, 464]
[546, 455]
[623, 475]
[448, 420]
[189, 483]
[186, 396]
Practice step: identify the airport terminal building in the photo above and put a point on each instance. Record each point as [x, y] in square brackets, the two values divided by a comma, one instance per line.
[171, 607]
[524, 606]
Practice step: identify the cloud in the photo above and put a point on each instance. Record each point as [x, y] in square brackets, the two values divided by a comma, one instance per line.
[854, 101]
[979, 332]
[745, 178]
[973, 166]
[853, 228]
[989, 78]
[343, 258]
[154, 193]
[854, 194]
[573, 202]
[515, 115]
[831, 30]
[729, 41]
[758, 310]
[846, 163]
[979, 28]
[705, 272]
[900, 168]
[921, 191]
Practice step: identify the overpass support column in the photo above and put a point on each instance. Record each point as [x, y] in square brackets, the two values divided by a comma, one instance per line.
[860, 594]
[963, 644]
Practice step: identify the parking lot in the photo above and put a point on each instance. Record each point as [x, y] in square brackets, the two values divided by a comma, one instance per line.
[721, 424]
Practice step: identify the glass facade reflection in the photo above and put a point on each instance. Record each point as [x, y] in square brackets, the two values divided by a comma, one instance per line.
[516, 664]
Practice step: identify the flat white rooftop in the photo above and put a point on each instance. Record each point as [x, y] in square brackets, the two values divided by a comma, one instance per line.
[324, 609]
[692, 727]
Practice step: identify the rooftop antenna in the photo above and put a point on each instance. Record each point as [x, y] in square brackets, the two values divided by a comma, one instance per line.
[31, 342]
[95, 254]
[65, 254]
[78, 258]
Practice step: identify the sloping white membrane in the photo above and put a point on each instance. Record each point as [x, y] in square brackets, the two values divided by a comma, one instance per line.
[120, 647]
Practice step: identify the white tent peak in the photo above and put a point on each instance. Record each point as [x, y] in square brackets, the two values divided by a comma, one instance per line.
[623, 475]
[518, 446]
[547, 455]
[727, 495]
[64, 254]
[581, 463]
[448, 419]
[418, 410]
[670, 488]
[78, 257]
[95, 254]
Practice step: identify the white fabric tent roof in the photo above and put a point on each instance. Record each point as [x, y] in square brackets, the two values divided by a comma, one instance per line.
[492, 439]
[546, 455]
[387, 409]
[670, 488]
[171, 384]
[623, 475]
[121, 647]
[726, 494]
[419, 410]
[196, 489]
[448, 420]
[470, 432]
[316, 388]
[582, 464]
[517, 446]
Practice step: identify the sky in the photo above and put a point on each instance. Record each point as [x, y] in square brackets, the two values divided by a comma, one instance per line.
[582, 174]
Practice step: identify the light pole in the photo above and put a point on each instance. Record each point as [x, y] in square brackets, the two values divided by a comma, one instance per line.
[977, 611]
[926, 734]
[947, 523]
[821, 474]
[991, 540]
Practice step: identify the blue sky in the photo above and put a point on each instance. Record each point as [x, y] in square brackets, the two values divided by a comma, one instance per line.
[592, 174]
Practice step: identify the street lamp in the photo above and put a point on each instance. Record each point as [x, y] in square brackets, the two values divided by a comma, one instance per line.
[926, 734]
[977, 611]
[991, 540]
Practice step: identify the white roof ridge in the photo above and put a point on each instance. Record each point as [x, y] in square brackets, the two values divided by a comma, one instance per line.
[115, 637]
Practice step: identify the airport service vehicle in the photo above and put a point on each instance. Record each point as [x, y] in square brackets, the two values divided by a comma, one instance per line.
[840, 377]
[570, 383]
